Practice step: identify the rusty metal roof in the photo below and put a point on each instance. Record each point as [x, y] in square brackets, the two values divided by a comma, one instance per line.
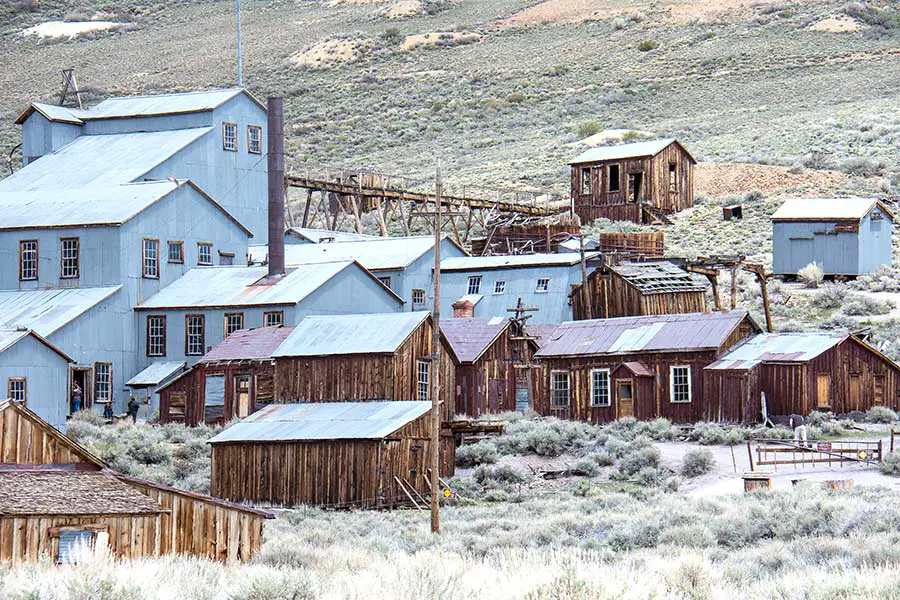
[470, 338]
[47, 311]
[658, 277]
[620, 151]
[326, 335]
[248, 344]
[827, 209]
[634, 335]
[374, 419]
[778, 347]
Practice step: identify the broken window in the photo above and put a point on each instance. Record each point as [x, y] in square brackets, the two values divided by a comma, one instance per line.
[635, 182]
[418, 297]
[499, 287]
[28, 260]
[229, 136]
[543, 285]
[156, 335]
[69, 260]
[150, 259]
[194, 326]
[386, 281]
[612, 179]
[586, 181]
[673, 177]
[226, 259]
[254, 139]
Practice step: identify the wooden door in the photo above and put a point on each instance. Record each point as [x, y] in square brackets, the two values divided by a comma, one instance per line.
[853, 395]
[495, 395]
[878, 392]
[624, 398]
[823, 390]
[240, 407]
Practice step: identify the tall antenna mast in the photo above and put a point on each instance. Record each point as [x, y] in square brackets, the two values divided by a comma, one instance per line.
[240, 56]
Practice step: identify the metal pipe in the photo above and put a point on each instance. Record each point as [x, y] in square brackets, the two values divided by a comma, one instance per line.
[275, 159]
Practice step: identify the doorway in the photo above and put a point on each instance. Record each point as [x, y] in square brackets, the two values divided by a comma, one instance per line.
[624, 398]
[81, 380]
[635, 183]
[823, 390]
[495, 395]
[240, 406]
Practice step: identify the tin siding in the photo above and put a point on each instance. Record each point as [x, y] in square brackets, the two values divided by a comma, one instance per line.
[46, 374]
[796, 244]
[40, 136]
[875, 249]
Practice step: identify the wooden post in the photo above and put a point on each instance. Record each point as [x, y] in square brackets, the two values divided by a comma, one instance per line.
[382, 226]
[305, 221]
[714, 282]
[733, 288]
[436, 360]
[763, 288]
[750, 454]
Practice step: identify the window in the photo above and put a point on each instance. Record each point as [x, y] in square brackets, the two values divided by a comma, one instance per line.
[194, 326]
[73, 542]
[254, 139]
[600, 387]
[156, 335]
[543, 285]
[16, 389]
[585, 181]
[499, 287]
[385, 280]
[176, 252]
[273, 318]
[233, 322]
[422, 379]
[229, 136]
[102, 382]
[226, 259]
[474, 285]
[204, 253]
[559, 388]
[680, 384]
[612, 180]
[68, 258]
[673, 177]
[418, 297]
[28, 260]
[151, 259]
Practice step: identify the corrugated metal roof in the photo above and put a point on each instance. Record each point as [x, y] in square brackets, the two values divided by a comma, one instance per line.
[658, 333]
[620, 151]
[778, 347]
[46, 311]
[101, 160]
[324, 421]
[542, 331]
[476, 263]
[317, 235]
[469, 338]
[159, 104]
[52, 113]
[819, 209]
[156, 373]
[248, 344]
[638, 368]
[374, 254]
[243, 286]
[658, 277]
[350, 334]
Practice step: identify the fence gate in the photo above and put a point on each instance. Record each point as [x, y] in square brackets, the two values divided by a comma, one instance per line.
[826, 453]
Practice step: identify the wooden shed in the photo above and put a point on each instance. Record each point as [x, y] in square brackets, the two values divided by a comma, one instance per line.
[636, 289]
[490, 357]
[646, 367]
[799, 373]
[640, 182]
[234, 379]
[57, 495]
[331, 454]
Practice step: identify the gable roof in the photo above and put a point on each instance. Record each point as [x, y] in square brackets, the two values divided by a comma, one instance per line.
[828, 209]
[312, 421]
[11, 337]
[515, 261]
[47, 311]
[317, 235]
[164, 104]
[470, 338]
[23, 412]
[63, 492]
[658, 333]
[156, 373]
[102, 160]
[658, 277]
[621, 151]
[351, 334]
[51, 112]
[91, 206]
[248, 344]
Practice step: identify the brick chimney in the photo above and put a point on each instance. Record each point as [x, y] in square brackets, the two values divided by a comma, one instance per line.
[463, 309]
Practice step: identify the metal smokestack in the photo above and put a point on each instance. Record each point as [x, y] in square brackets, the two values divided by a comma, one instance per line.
[275, 108]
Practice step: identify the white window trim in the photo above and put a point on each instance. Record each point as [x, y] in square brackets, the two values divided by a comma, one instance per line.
[672, 385]
[469, 291]
[420, 381]
[537, 287]
[568, 375]
[608, 387]
[502, 290]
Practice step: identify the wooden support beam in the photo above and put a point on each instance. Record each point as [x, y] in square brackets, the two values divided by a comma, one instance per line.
[714, 282]
[354, 203]
[382, 226]
[305, 221]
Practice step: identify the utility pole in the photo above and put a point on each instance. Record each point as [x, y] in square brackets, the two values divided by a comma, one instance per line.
[436, 360]
[240, 55]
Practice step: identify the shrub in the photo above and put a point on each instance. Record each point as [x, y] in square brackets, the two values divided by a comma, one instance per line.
[880, 414]
[861, 306]
[516, 98]
[890, 464]
[712, 434]
[588, 466]
[502, 474]
[863, 167]
[588, 129]
[647, 45]
[650, 476]
[811, 275]
[696, 462]
[601, 459]
[829, 296]
[638, 458]
[471, 455]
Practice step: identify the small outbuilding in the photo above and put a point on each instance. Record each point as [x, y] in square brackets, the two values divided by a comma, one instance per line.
[844, 236]
[332, 454]
[144, 386]
[35, 372]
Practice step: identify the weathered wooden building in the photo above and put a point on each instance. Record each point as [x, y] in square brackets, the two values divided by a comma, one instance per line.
[640, 245]
[55, 495]
[844, 236]
[234, 379]
[799, 373]
[646, 367]
[333, 454]
[636, 289]
[490, 357]
[639, 182]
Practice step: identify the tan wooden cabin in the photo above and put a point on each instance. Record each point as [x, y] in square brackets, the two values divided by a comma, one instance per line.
[799, 373]
[640, 182]
[57, 500]
[331, 454]
[491, 358]
[637, 289]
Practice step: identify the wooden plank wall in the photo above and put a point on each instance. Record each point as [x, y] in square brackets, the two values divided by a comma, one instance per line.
[649, 244]
[612, 296]
[658, 174]
[473, 380]
[507, 239]
[24, 441]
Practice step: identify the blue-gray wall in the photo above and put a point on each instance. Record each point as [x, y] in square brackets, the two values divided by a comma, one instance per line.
[419, 275]
[45, 373]
[40, 136]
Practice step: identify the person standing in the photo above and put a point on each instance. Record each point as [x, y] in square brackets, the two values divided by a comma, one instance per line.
[76, 397]
[133, 407]
[798, 425]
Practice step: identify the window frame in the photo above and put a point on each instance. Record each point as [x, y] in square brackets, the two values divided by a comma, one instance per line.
[155, 264]
[98, 396]
[385, 281]
[225, 146]
[9, 389]
[62, 258]
[593, 388]
[22, 260]
[420, 371]
[180, 245]
[610, 179]
[690, 391]
[270, 313]
[200, 254]
[586, 179]
[250, 149]
[477, 280]
[93, 530]
[228, 316]
[546, 286]
[226, 255]
[187, 334]
[554, 389]
[501, 284]
[673, 177]
[162, 337]
[419, 291]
